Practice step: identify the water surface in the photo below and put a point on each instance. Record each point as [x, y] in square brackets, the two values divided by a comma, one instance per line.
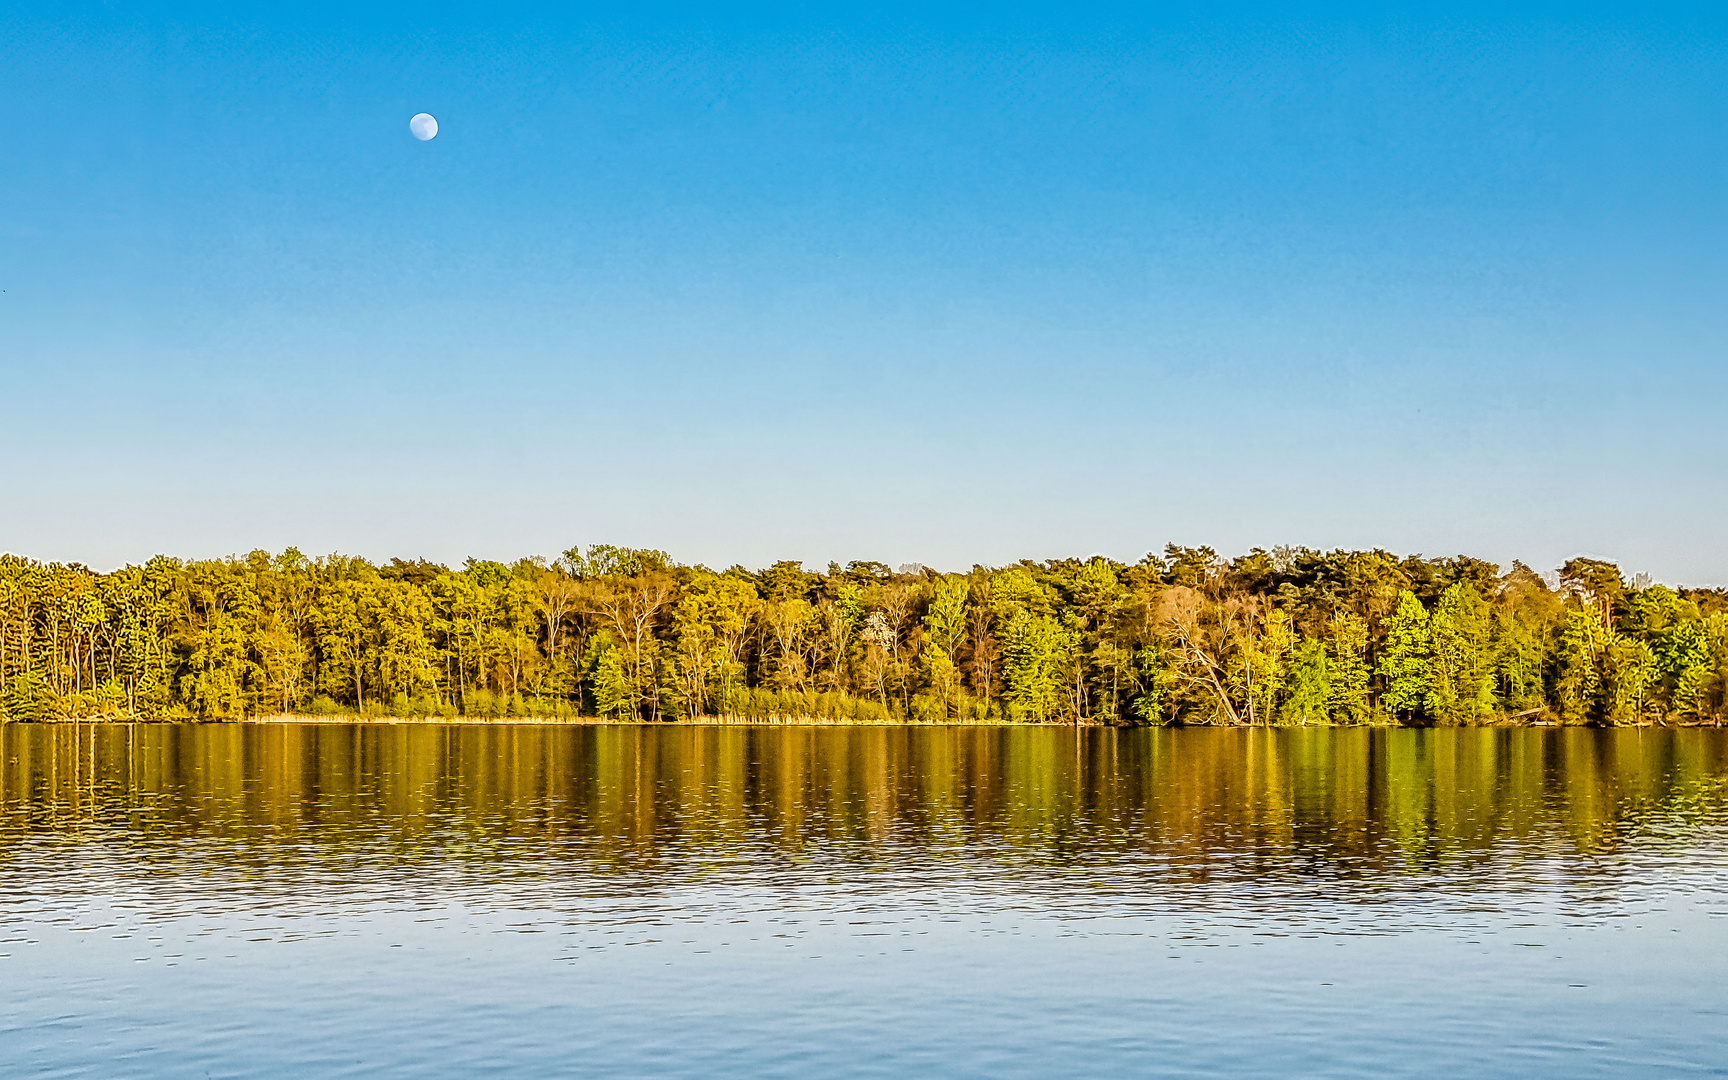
[395, 900]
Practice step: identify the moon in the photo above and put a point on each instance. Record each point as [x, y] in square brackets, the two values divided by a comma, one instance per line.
[423, 126]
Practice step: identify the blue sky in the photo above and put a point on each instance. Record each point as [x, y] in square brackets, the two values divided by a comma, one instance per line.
[939, 285]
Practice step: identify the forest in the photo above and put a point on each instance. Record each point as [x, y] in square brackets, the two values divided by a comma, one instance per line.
[1290, 636]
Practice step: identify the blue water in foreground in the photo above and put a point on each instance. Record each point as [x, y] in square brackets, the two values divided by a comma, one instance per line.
[278, 900]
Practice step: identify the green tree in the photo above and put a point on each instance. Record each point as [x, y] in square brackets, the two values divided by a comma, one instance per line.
[219, 619]
[605, 674]
[1308, 696]
[1037, 652]
[628, 600]
[1257, 667]
[1037, 645]
[1602, 677]
[1347, 699]
[1153, 679]
[1462, 670]
[711, 622]
[944, 632]
[1406, 665]
[841, 618]
[345, 635]
[1684, 666]
[27, 697]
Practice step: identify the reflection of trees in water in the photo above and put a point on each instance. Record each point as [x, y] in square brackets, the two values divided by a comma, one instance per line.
[1332, 802]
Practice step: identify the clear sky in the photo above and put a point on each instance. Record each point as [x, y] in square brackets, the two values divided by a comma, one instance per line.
[938, 285]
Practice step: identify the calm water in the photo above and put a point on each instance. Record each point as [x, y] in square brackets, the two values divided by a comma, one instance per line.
[283, 900]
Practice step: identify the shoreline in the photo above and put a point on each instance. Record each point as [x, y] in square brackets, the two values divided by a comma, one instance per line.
[816, 721]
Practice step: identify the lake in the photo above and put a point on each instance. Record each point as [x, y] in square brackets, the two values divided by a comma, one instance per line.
[423, 900]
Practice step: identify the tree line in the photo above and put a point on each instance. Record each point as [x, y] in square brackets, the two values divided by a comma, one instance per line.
[1284, 637]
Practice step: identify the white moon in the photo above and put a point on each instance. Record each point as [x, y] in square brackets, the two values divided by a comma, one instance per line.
[423, 126]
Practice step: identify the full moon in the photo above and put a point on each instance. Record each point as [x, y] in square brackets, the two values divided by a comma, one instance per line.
[423, 126]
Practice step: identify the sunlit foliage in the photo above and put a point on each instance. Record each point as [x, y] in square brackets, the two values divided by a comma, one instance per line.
[1288, 637]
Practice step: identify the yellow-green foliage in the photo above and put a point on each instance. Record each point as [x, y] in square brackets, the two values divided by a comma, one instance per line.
[1291, 636]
